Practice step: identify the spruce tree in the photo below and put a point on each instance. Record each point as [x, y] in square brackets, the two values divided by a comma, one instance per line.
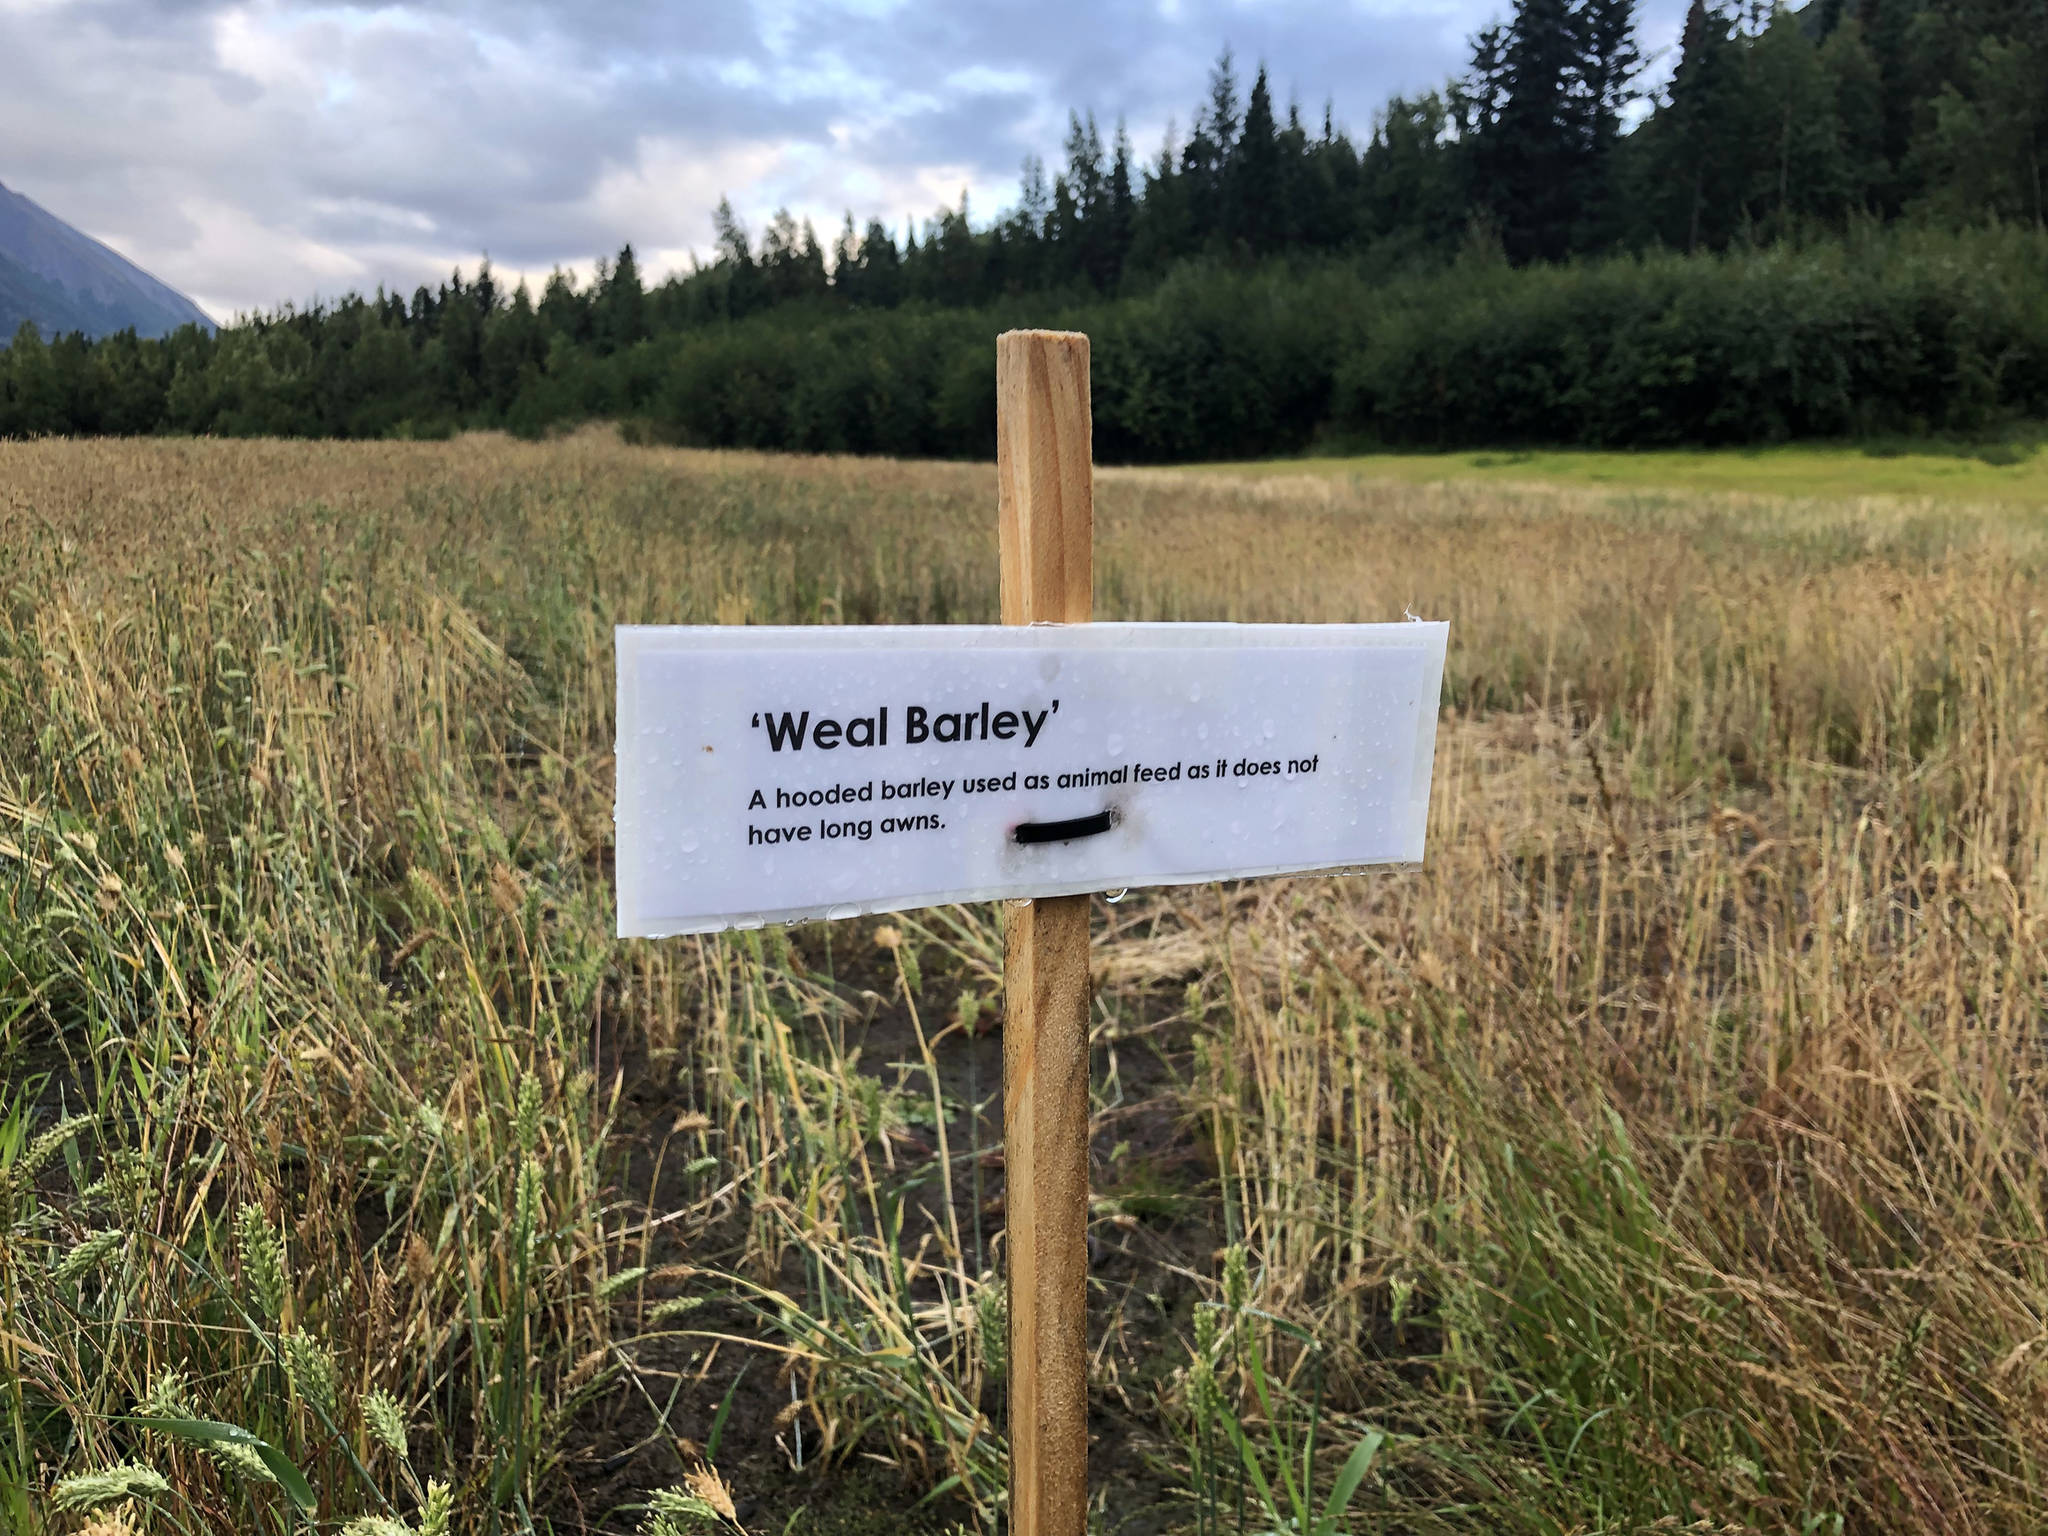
[739, 276]
[1696, 165]
[1856, 86]
[1607, 66]
[880, 267]
[1205, 162]
[1080, 205]
[1890, 28]
[1798, 172]
[1256, 216]
[1119, 217]
[1539, 159]
[845, 262]
[1024, 231]
[621, 318]
[1162, 225]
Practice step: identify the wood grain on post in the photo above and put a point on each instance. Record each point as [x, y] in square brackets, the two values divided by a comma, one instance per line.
[1047, 518]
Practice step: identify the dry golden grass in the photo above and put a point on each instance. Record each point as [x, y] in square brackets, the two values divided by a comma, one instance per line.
[1666, 1149]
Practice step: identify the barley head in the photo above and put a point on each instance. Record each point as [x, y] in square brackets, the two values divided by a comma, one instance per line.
[387, 1422]
[47, 1146]
[263, 1259]
[166, 1398]
[170, 1397]
[992, 1327]
[440, 1508]
[89, 1256]
[527, 1124]
[125, 1480]
[526, 1210]
[311, 1371]
[1237, 1278]
[675, 1307]
[241, 1460]
[1207, 1333]
[124, 1175]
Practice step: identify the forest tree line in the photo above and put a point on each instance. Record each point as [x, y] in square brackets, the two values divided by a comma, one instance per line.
[1834, 214]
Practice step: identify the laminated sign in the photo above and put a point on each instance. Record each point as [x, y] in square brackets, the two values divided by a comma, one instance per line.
[774, 774]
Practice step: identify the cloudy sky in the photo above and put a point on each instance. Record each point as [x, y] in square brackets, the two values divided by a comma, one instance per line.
[253, 154]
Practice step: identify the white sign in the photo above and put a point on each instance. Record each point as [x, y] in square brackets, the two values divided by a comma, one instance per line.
[771, 775]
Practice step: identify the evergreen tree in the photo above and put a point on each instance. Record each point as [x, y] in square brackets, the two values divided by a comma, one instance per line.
[954, 257]
[31, 402]
[880, 267]
[512, 350]
[1413, 195]
[1025, 230]
[1477, 99]
[621, 305]
[1607, 66]
[1162, 229]
[1076, 228]
[1121, 214]
[744, 290]
[1324, 191]
[792, 262]
[1890, 27]
[563, 311]
[1857, 89]
[811, 259]
[1205, 161]
[458, 340]
[1256, 215]
[1798, 172]
[1538, 158]
[845, 256]
[485, 290]
[421, 321]
[1694, 164]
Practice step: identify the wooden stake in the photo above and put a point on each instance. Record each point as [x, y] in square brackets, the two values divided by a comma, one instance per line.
[1047, 522]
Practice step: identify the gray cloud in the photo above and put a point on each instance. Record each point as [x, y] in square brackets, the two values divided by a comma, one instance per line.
[272, 151]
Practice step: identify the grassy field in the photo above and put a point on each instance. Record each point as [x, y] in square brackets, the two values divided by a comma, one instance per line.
[1664, 1154]
[2011, 474]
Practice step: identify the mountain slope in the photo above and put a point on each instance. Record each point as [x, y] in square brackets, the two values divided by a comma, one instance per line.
[67, 281]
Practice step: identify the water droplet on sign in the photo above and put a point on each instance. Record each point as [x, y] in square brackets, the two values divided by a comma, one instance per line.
[1117, 895]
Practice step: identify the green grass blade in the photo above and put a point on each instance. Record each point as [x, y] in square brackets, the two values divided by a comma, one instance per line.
[724, 1412]
[1248, 1457]
[210, 1431]
[1356, 1465]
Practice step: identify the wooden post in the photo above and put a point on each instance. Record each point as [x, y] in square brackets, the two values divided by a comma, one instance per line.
[1047, 517]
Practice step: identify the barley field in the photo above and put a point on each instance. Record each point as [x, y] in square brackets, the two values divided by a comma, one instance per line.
[1666, 1153]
